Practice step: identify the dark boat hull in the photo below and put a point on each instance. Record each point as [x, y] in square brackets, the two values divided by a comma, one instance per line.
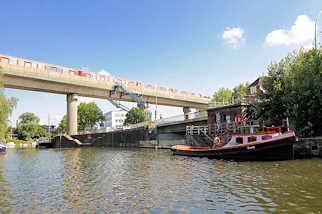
[3, 150]
[276, 150]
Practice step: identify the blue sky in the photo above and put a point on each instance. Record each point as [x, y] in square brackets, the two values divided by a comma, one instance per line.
[186, 44]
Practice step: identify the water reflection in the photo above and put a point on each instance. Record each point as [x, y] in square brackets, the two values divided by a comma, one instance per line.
[143, 180]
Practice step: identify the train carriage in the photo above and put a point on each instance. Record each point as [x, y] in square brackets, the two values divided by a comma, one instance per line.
[137, 86]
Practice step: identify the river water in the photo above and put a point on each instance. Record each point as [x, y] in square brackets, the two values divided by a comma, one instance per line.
[118, 180]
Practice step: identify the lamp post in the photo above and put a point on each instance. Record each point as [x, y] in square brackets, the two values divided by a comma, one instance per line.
[315, 23]
[156, 107]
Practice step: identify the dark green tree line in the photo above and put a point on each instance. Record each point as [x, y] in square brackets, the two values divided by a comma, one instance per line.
[292, 89]
[6, 108]
[28, 127]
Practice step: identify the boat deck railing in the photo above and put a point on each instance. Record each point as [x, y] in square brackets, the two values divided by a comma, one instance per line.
[200, 131]
[192, 130]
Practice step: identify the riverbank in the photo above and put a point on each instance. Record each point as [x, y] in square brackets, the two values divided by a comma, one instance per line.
[20, 143]
[145, 138]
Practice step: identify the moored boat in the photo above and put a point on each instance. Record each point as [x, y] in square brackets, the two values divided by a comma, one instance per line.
[275, 143]
[3, 147]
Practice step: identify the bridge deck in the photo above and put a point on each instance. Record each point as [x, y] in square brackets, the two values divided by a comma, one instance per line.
[33, 78]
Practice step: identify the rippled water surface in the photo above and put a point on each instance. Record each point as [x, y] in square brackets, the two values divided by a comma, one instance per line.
[115, 180]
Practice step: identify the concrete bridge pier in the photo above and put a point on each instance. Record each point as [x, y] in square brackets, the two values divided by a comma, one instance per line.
[72, 114]
[186, 111]
[143, 107]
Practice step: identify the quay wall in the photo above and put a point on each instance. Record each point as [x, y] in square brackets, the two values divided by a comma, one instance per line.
[139, 137]
[308, 148]
[152, 138]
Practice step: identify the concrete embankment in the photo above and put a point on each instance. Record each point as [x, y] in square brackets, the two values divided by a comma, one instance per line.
[161, 138]
[163, 135]
[139, 137]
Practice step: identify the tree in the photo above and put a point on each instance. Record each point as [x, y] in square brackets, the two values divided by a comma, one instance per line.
[6, 108]
[222, 95]
[135, 115]
[28, 127]
[292, 89]
[62, 125]
[272, 108]
[88, 114]
[303, 84]
[240, 91]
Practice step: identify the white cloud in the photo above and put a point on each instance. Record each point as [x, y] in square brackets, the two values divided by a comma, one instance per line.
[234, 37]
[104, 72]
[301, 32]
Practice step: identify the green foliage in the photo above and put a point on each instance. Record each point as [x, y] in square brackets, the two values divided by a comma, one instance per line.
[293, 89]
[6, 107]
[222, 95]
[62, 125]
[88, 114]
[19, 141]
[28, 127]
[135, 115]
[240, 91]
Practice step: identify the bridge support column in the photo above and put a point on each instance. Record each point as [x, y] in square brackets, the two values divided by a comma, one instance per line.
[143, 108]
[186, 111]
[72, 114]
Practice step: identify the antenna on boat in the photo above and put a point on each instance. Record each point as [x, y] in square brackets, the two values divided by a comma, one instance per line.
[287, 124]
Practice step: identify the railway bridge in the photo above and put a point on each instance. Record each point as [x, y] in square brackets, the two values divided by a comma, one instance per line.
[25, 74]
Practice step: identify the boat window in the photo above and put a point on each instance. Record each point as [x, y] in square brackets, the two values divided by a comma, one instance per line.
[54, 69]
[47, 67]
[266, 137]
[59, 70]
[34, 65]
[251, 139]
[284, 129]
[27, 64]
[239, 140]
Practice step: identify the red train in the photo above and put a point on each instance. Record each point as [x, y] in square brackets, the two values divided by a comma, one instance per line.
[92, 75]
